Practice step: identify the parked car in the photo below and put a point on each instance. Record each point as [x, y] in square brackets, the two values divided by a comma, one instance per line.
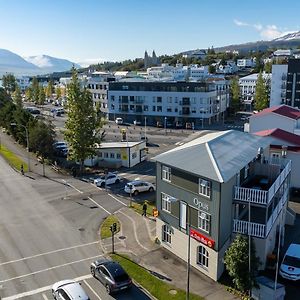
[138, 186]
[290, 266]
[68, 289]
[58, 145]
[111, 275]
[110, 178]
[119, 121]
[188, 125]
[159, 124]
[179, 125]
[136, 122]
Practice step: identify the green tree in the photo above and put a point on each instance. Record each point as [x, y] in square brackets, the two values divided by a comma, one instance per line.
[82, 125]
[9, 83]
[50, 89]
[42, 96]
[58, 92]
[211, 69]
[35, 90]
[18, 97]
[235, 94]
[261, 93]
[236, 261]
[29, 93]
[268, 67]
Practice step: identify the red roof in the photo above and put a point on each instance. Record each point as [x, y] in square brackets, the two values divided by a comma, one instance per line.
[281, 134]
[283, 110]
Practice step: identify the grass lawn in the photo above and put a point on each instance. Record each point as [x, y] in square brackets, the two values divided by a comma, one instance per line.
[155, 286]
[105, 226]
[12, 159]
[138, 207]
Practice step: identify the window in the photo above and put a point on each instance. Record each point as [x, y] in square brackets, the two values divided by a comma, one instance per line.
[169, 109]
[246, 171]
[159, 99]
[203, 256]
[133, 155]
[159, 108]
[166, 173]
[166, 202]
[153, 108]
[166, 233]
[112, 155]
[204, 187]
[204, 221]
[100, 154]
[105, 154]
[145, 107]
[118, 155]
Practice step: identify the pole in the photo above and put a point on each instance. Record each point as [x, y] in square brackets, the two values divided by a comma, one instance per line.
[249, 246]
[277, 259]
[165, 125]
[189, 253]
[27, 140]
[130, 203]
[145, 128]
[113, 241]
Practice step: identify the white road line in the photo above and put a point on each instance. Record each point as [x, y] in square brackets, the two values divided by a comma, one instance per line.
[97, 296]
[49, 252]
[45, 297]
[42, 289]
[100, 206]
[94, 185]
[73, 187]
[117, 199]
[48, 269]
[177, 143]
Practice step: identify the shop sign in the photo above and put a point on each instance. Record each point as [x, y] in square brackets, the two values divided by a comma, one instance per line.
[202, 239]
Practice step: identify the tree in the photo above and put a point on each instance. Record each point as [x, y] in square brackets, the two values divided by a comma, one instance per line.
[58, 92]
[268, 67]
[82, 124]
[42, 96]
[235, 94]
[261, 94]
[35, 90]
[236, 261]
[211, 69]
[29, 93]
[18, 97]
[9, 83]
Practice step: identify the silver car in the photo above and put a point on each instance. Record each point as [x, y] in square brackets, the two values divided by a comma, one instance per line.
[68, 289]
[138, 186]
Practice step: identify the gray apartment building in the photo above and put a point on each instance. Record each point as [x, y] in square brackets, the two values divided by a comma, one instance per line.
[206, 188]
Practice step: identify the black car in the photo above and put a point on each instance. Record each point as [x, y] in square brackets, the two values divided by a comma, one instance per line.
[111, 275]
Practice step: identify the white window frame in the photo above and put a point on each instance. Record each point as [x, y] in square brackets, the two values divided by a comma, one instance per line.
[202, 256]
[166, 173]
[204, 187]
[246, 171]
[166, 202]
[166, 234]
[204, 221]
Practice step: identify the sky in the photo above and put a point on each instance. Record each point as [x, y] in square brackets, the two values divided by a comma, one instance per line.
[90, 31]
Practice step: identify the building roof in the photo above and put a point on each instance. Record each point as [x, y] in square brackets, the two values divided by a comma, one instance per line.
[283, 110]
[281, 134]
[110, 145]
[217, 156]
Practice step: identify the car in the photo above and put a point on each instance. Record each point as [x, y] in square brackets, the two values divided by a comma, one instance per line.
[58, 145]
[68, 289]
[108, 179]
[138, 186]
[111, 275]
[119, 121]
[188, 125]
[136, 122]
[290, 266]
[179, 125]
[159, 124]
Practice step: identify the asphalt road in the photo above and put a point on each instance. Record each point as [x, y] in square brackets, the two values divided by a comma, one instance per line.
[49, 232]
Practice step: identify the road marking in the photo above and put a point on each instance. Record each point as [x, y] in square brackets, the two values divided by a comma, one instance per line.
[100, 206]
[92, 289]
[177, 143]
[45, 297]
[49, 252]
[51, 268]
[94, 185]
[73, 187]
[42, 289]
[117, 199]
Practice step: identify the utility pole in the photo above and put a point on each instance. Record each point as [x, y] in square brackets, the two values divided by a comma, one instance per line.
[113, 229]
[145, 129]
[189, 253]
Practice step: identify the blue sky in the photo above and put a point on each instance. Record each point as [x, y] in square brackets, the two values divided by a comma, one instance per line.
[95, 30]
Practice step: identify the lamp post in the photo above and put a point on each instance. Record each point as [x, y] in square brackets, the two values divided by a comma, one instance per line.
[189, 252]
[130, 188]
[165, 125]
[27, 142]
[145, 129]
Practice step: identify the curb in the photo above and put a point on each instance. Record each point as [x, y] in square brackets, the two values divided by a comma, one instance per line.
[144, 290]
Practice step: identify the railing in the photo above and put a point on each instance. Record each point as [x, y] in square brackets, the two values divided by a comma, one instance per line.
[256, 229]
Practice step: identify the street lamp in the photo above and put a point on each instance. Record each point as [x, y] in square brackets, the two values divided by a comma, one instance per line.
[165, 125]
[27, 142]
[145, 128]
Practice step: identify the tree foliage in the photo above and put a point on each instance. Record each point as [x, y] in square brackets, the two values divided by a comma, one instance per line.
[58, 92]
[261, 100]
[82, 124]
[35, 90]
[50, 89]
[17, 97]
[42, 96]
[236, 261]
[235, 94]
[9, 83]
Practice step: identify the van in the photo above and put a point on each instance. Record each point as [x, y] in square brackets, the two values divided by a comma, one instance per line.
[119, 121]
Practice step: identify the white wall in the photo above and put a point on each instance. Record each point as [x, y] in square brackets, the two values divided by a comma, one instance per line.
[276, 83]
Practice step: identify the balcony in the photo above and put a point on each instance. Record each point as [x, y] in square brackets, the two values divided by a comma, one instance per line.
[264, 183]
[185, 102]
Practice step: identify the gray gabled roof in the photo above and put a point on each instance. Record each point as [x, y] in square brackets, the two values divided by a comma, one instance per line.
[217, 156]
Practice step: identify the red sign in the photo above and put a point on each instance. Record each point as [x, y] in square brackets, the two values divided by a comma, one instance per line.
[201, 238]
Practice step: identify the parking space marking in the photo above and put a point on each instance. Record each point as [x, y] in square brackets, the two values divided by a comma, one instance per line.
[45, 297]
[93, 291]
[100, 206]
[51, 268]
[49, 252]
[117, 199]
[73, 187]
[42, 289]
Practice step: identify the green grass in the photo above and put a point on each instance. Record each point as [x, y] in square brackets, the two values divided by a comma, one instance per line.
[105, 226]
[12, 159]
[155, 286]
[138, 207]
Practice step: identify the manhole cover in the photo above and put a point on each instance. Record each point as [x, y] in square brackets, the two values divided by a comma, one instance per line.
[81, 229]
[172, 292]
[122, 237]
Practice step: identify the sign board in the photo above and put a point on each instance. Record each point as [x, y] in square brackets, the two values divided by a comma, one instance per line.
[202, 239]
[155, 212]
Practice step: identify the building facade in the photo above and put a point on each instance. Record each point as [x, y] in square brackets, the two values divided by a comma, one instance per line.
[205, 189]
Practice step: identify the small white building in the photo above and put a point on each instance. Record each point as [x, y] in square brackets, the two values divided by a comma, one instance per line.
[118, 154]
[278, 84]
[245, 63]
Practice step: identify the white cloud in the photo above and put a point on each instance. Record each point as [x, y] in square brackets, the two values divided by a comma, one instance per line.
[267, 32]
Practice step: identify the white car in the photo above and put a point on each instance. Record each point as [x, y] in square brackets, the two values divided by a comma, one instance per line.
[290, 266]
[110, 178]
[138, 186]
[119, 121]
[68, 289]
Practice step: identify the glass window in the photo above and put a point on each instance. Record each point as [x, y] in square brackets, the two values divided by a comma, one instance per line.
[133, 155]
[105, 154]
[166, 202]
[112, 155]
[166, 234]
[166, 173]
[204, 221]
[159, 108]
[203, 256]
[118, 155]
[204, 187]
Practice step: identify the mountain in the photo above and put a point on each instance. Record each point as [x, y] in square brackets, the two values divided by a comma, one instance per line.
[51, 64]
[289, 36]
[13, 63]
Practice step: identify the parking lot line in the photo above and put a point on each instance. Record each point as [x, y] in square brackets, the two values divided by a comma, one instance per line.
[49, 252]
[45, 297]
[117, 199]
[73, 187]
[51, 268]
[93, 291]
[100, 206]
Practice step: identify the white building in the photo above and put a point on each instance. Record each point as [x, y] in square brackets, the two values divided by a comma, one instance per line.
[23, 82]
[198, 54]
[278, 84]
[245, 63]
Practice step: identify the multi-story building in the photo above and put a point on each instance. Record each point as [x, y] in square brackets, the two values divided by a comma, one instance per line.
[245, 63]
[197, 102]
[215, 187]
[23, 82]
[285, 87]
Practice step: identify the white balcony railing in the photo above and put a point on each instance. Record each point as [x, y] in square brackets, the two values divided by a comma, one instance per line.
[260, 196]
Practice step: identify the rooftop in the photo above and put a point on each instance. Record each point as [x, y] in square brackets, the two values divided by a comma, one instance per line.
[281, 134]
[283, 110]
[110, 145]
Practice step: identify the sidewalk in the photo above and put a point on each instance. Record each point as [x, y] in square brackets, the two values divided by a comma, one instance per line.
[136, 239]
